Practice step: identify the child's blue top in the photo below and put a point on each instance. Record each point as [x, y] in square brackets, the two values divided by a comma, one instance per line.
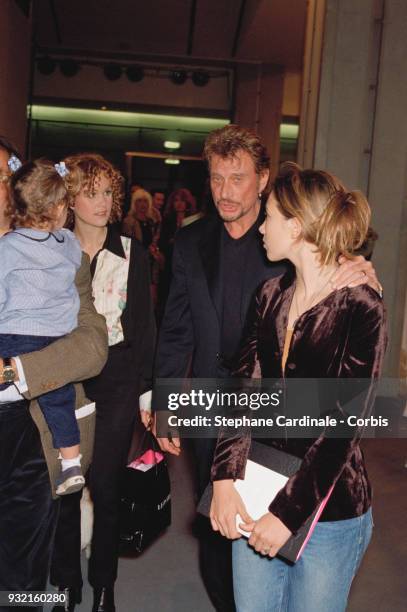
[38, 295]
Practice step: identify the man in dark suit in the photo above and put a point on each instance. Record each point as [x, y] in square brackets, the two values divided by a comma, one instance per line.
[218, 263]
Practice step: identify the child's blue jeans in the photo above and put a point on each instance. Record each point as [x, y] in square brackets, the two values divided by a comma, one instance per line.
[58, 406]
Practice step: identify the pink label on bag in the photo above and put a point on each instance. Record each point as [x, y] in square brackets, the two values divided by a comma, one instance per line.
[150, 457]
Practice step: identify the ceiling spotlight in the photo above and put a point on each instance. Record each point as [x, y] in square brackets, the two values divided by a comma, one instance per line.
[46, 65]
[200, 78]
[172, 144]
[178, 77]
[172, 161]
[135, 73]
[112, 71]
[69, 67]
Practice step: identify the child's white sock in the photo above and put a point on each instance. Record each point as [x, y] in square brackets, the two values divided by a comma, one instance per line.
[68, 463]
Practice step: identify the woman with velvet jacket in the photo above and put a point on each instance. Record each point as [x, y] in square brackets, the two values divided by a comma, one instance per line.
[302, 328]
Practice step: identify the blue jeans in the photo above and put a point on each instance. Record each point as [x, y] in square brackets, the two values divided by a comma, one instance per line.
[58, 406]
[320, 580]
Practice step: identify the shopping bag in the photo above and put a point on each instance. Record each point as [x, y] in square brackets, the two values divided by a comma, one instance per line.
[145, 498]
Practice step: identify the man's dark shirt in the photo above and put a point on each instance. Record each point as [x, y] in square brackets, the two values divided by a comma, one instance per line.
[235, 254]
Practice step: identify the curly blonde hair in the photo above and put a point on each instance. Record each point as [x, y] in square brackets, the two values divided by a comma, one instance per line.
[35, 189]
[85, 170]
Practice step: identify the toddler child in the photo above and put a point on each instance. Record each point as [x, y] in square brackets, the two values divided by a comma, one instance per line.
[39, 302]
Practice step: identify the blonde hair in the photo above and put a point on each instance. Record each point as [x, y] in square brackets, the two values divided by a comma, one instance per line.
[334, 219]
[35, 189]
[85, 170]
[142, 194]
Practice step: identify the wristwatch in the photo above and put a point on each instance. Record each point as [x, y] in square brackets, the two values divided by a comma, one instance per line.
[9, 373]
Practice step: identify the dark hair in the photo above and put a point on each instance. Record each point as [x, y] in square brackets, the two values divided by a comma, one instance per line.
[186, 196]
[35, 189]
[333, 218]
[231, 139]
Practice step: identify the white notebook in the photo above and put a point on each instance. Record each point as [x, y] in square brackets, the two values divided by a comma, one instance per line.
[257, 490]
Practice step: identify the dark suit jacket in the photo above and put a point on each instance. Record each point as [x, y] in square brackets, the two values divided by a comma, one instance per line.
[138, 317]
[343, 336]
[190, 337]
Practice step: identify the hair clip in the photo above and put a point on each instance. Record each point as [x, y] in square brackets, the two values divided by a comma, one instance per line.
[14, 163]
[61, 169]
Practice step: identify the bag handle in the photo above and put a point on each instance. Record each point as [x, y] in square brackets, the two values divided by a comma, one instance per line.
[148, 441]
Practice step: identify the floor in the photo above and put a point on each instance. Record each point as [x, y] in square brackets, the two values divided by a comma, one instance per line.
[166, 578]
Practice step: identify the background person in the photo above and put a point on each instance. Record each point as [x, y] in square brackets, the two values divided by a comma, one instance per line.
[158, 200]
[180, 207]
[303, 328]
[142, 221]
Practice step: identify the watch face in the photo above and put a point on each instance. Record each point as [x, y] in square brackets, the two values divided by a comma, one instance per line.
[8, 374]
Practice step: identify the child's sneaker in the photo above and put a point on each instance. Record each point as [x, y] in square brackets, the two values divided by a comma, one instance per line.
[70, 481]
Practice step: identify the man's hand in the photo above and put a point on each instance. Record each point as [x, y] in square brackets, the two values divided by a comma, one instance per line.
[172, 446]
[169, 445]
[354, 272]
[268, 534]
[226, 505]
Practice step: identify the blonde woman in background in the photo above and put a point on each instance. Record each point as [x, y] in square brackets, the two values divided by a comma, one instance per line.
[143, 220]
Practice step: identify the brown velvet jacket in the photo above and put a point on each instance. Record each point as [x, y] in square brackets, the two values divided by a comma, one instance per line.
[343, 336]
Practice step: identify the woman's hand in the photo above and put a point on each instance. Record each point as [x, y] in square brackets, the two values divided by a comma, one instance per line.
[226, 504]
[354, 272]
[268, 534]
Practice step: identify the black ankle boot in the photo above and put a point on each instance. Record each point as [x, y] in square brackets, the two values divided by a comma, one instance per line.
[103, 600]
[73, 597]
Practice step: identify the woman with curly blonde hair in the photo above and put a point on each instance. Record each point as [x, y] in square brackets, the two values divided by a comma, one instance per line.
[121, 291]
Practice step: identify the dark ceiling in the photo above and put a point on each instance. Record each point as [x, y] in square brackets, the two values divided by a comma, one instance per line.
[270, 31]
[178, 32]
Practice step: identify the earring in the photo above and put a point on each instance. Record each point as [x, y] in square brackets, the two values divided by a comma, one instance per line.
[260, 195]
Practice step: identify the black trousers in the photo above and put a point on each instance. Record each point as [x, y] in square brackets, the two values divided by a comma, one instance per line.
[215, 550]
[27, 512]
[116, 395]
